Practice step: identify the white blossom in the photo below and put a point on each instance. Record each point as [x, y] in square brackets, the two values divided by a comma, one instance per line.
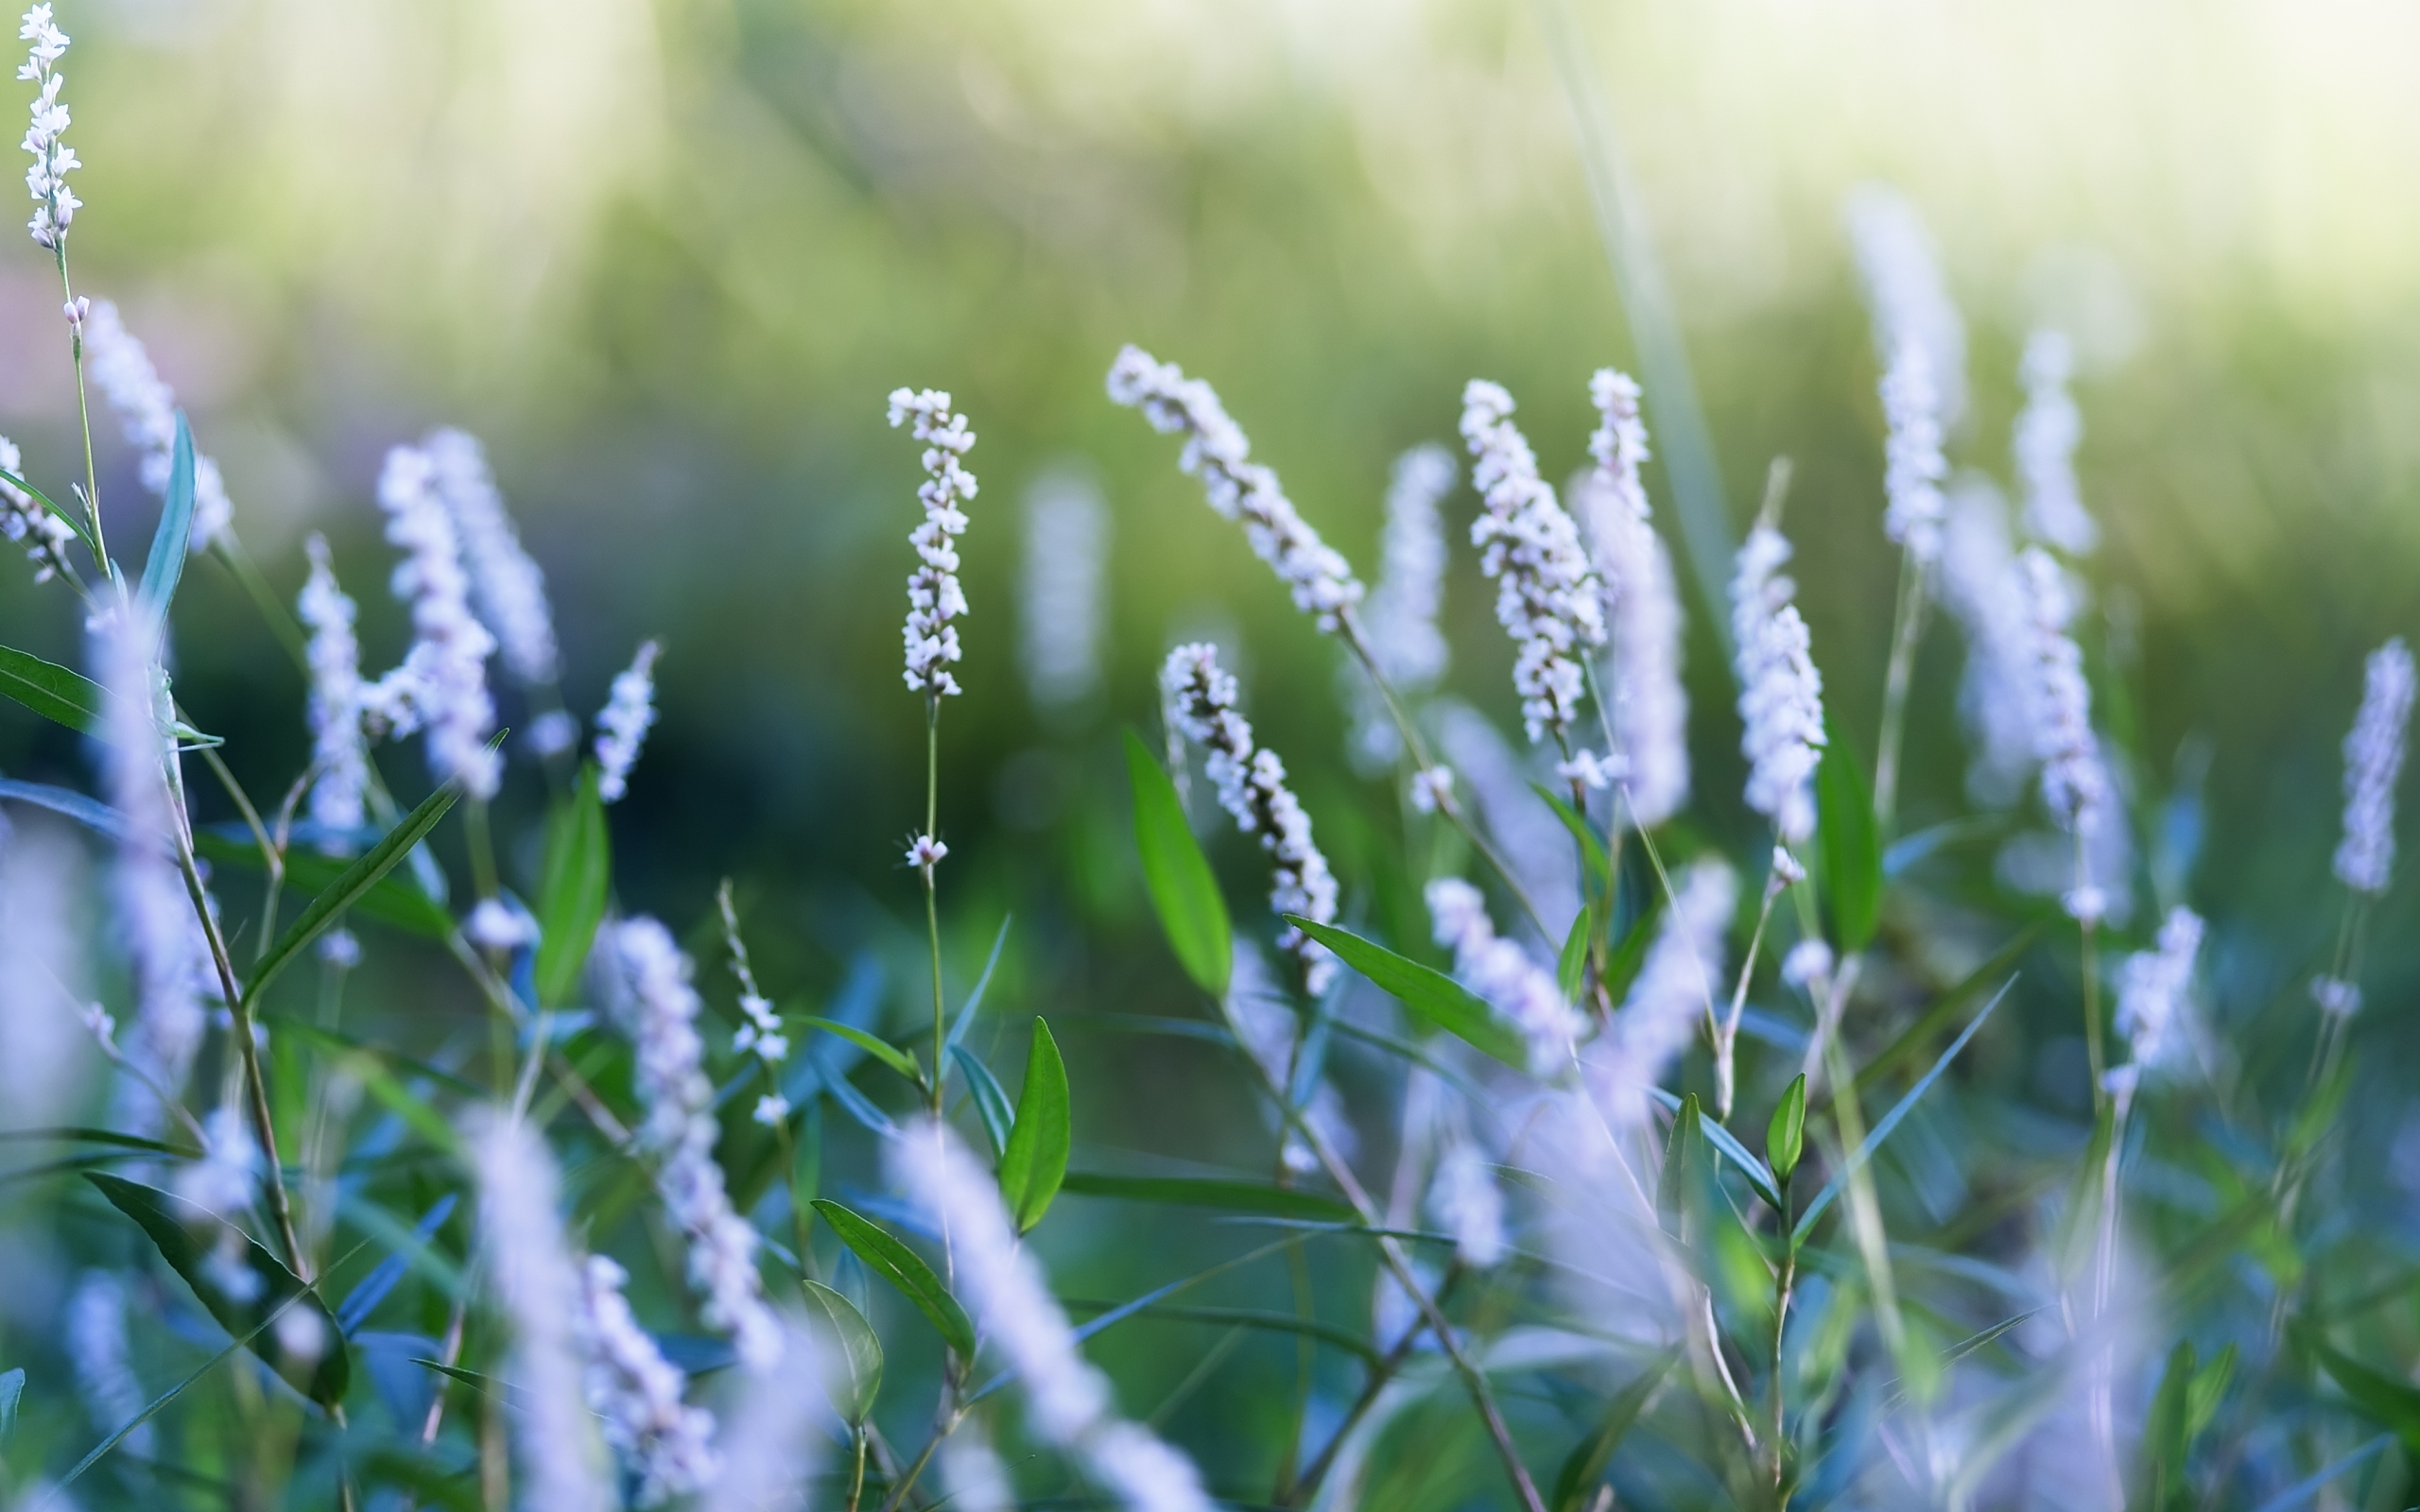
[2047, 430]
[1672, 994]
[55, 204]
[1064, 600]
[2373, 761]
[1781, 695]
[1322, 582]
[96, 1341]
[1200, 700]
[1399, 619]
[2153, 987]
[924, 853]
[510, 590]
[1651, 708]
[223, 1179]
[658, 1012]
[1067, 1399]
[497, 925]
[1985, 589]
[1808, 965]
[637, 1393]
[1900, 270]
[539, 1291]
[1546, 596]
[340, 754]
[1914, 467]
[623, 723]
[973, 1478]
[2073, 785]
[442, 685]
[770, 1109]
[146, 412]
[935, 600]
[1502, 973]
[2335, 996]
[552, 734]
[1432, 789]
[1466, 1203]
[24, 519]
[761, 1036]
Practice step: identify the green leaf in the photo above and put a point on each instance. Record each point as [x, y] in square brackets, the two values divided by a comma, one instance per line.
[882, 1050]
[1683, 1163]
[165, 566]
[52, 690]
[1852, 843]
[74, 521]
[1239, 1317]
[12, 1391]
[1585, 1465]
[1591, 849]
[1178, 875]
[573, 884]
[189, 1236]
[350, 887]
[1727, 1145]
[1910, 1046]
[1572, 968]
[2209, 1389]
[899, 1266]
[990, 1098]
[2385, 1400]
[1621, 968]
[1211, 1191]
[2168, 1435]
[390, 900]
[1035, 1161]
[1786, 1134]
[1429, 993]
[982, 985]
[860, 1354]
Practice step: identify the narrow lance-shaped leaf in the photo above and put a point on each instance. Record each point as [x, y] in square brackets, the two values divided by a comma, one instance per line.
[854, 1386]
[572, 886]
[1585, 1465]
[1177, 876]
[54, 692]
[902, 1268]
[1851, 840]
[165, 566]
[1035, 1161]
[348, 889]
[882, 1050]
[1428, 993]
[1572, 966]
[990, 1098]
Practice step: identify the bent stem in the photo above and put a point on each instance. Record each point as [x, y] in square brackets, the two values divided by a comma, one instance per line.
[1907, 626]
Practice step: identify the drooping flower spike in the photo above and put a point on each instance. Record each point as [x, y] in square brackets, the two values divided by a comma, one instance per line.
[1650, 712]
[2373, 762]
[623, 724]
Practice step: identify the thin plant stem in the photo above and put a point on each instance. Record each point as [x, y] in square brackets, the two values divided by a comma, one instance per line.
[1726, 1034]
[857, 1469]
[932, 907]
[2103, 1263]
[1308, 1489]
[1907, 627]
[84, 418]
[1785, 1281]
[2088, 959]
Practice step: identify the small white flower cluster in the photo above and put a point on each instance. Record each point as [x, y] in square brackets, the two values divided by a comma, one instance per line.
[496, 925]
[1215, 451]
[340, 754]
[1781, 695]
[24, 519]
[1399, 619]
[924, 853]
[146, 412]
[1914, 467]
[761, 1036]
[623, 723]
[1200, 698]
[1502, 973]
[443, 684]
[1067, 1399]
[2047, 430]
[1061, 608]
[1901, 272]
[1465, 1202]
[511, 590]
[1651, 708]
[2335, 996]
[1267, 1026]
[660, 1014]
[2072, 784]
[538, 1287]
[635, 1393]
[1546, 596]
[2153, 1010]
[934, 597]
[55, 204]
[2373, 761]
[1675, 989]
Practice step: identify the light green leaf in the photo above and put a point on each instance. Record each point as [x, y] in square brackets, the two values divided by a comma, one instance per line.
[1035, 1161]
[901, 1266]
[1585, 1465]
[351, 886]
[1200, 1192]
[572, 887]
[165, 566]
[882, 1050]
[52, 690]
[1429, 993]
[1572, 968]
[860, 1354]
[390, 901]
[990, 1098]
[1852, 843]
[1177, 876]
[1786, 1134]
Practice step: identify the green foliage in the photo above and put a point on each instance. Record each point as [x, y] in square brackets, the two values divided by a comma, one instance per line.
[857, 1380]
[51, 691]
[991, 1100]
[573, 887]
[1181, 888]
[354, 883]
[882, 1050]
[1785, 1133]
[1034, 1163]
[1430, 994]
[1850, 839]
[165, 565]
[1210, 1192]
[902, 1268]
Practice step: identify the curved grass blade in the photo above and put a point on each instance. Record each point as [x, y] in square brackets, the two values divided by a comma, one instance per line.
[882, 1050]
[1591, 848]
[12, 1391]
[390, 900]
[90, 812]
[364, 1298]
[991, 1099]
[1428, 994]
[78, 1134]
[982, 984]
[349, 888]
[902, 1268]
[165, 566]
[1177, 876]
[48, 502]
[51, 691]
[572, 890]
[1910, 1043]
[1034, 1161]
[1211, 1191]
[860, 1352]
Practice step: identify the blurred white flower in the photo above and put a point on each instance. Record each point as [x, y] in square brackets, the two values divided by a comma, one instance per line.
[146, 412]
[1502, 973]
[1673, 991]
[1466, 1203]
[1062, 604]
[24, 519]
[1981, 586]
[96, 1340]
[2154, 1009]
[339, 753]
[511, 590]
[1651, 708]
[637, 1393]
[1914, 467]
[2047, 430]
[2072, 782]
[1781, 695]
[1900, 270]
[2373, 761]
[1399, 619]
[623, 723]
[442, 685]
[496, 925]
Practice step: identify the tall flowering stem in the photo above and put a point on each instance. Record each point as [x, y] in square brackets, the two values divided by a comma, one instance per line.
[2072, 786]
[1913, 513]
[55, 207]
[2373, 751]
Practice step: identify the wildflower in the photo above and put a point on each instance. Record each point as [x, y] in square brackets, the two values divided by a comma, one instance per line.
[934, 599]
[95, 1336]
[1546, 593]
[2047, 430]
[1901, 271]
[1590, 770]
[222, 1179]
[551, 734]
[442, 685]
[1399, 619]
[2336, 997]
[511, 590]
[541, 1294]
[1466, 1203]
[772, 1440]
[24, 519]
[496, 925]
[1809, 963]
[55, 204]
[1215, 451]
[1781, 695]
[1270, 1031]
[1433, 789]
[2152, 1010]
[1650, 709]
[1982, 587]
[1252, 787]
[924, 853]
[623, 723]
[2072, 782]
[770, 1109]
[1067, 1399]
[1067, 558]
[1675, 989]
[973, 1478]
[762, 1033]
[1500, 972]
[1914, 467]
[339, 755]
[636, 1394]
[146, 412]
[658, 1012]
[2373, 761]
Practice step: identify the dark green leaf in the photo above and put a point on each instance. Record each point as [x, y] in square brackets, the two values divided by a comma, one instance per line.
[1786, 1134]
[573, 884]
[1430, 994]
[428, 1479]
[1200, 1192]
[13, 1390]
[351, 886]
[1572, 968]
[1591, 849]
[1585, 1465]
[1035, 1161]
[1684, 1160]
[1910, 1046]
[2209, 1389]
[165, 566]
[900, 1265]
[1851, 841]
[990, 1098]
[882, 1050]
[390, 901]
[2385, 1400]
[1621, 968]
[2167, 1436]
[860, 1354]
[188, 1236]
[79, 1135]
[1727, 1145]
[51, 691]
[1178, 875]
